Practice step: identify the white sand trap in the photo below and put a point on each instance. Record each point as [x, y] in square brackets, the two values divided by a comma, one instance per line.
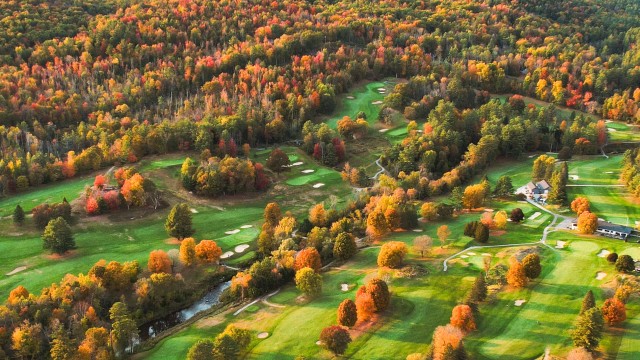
[382, 89]
[318, 185]
[600, 275]
[535, 215]
[246, 226]
[344, 287]
[471, 254]
[609, 172]
[488, 210]
[383, 130]
[231, 232]
[319, 342]
[531, 156]
[308, 171]
[297, 163]
[611, 129]
[226, 255]
[263, 335]
[486, 254]
[603, 253]
[350, 97]
[519, 302]
[464, 256]
[574, 177]
[194, 211]
[417, 230]
[560, 244]
[241, 248]
[377, 102]
[16, 270]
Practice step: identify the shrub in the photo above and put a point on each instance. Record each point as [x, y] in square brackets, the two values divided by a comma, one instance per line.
[612, 258]
[516, 215]
[335, 339]
[625, 264]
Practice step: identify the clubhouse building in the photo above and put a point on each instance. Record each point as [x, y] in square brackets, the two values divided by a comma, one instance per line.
[609, 229]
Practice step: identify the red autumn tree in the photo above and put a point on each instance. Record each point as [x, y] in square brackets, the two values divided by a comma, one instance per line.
[91, 206]
[99, 182]
[365, 308]
[347, 313]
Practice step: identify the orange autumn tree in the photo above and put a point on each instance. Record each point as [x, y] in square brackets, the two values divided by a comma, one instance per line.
[614, 311]
[392, 254]
[462, 318]
[580, 204]
[159, 262]
[308, 257]
[18, 294]
[446, 340]
[365, 307]
[587, 222]
[188, 251]
[516, 275]
[207, 251]
[240, 283]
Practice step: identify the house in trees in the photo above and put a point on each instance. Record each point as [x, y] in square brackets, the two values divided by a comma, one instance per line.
[537, 191]
[609, 229]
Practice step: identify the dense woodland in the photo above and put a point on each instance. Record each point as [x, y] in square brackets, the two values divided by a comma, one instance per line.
[90, 84]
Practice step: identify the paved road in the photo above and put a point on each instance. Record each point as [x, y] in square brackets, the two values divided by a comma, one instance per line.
[594, 185]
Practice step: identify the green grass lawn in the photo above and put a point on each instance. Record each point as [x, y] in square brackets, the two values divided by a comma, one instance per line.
[361, 98]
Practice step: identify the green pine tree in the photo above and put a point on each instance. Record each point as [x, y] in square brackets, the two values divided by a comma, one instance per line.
[479, 289]
[558, 192]
[588, 329]
[57, 236]
[179, 223]
[588, 302]
[18, 215]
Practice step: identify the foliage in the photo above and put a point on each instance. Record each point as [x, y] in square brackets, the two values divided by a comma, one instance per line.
[179, 223]
[462, 318]
[308, 257]
[18, 215]
[580, 204]
[504, 187]
[57, 236]
[516, 215]
[531, 265]
[309, 282]
[614, 311]
[201, 350]
[207, 251]
[516, 276]
[188, 251]
[612, 257]
[479, 290]
[345, 246]
[447, 343]
[443, 233]
[422, 244]
[587, 330]
[335, 339]
[278, 160]
[481, 233]
[347, 313]
[625, 264]
[588, 302]
[587, 222]
[159, 262]
[392, 254]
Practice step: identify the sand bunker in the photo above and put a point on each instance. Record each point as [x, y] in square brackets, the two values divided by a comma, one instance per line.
[600, 275]
[297, 163]
[319, 342]
[464, 256]
[241, 248]
[318, 185]
[609, 172]
[383, 130]
[263, 335]
[560, 244]
[231, 232]
[382, 89]
[308, 171]
[604, 253]
[377, 102]
[535, 215]
[471, 254]
[574, 177]
[226, 255]
[16, 270]
[417, 230]
[344, 287]
[194, 211]
[488, 210]
[246, 226]
[350, 97]
[486, 254]
[519, 302]
[611, 130]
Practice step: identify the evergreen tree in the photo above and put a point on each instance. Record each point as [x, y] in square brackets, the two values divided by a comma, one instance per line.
[57, 236]
[588, 329]
[179, 223]
[531, 264]
[479, 290]
[504, 187]
[62, 346]
[123, 328]
[558, 192]
[18, 215]
[482, 233]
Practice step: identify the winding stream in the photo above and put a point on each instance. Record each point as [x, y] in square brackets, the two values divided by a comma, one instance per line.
[209, 300]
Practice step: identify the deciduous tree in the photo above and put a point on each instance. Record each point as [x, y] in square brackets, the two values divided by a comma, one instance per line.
[309, 282]
[347, 313]
[587, 222]
[335, 339]
[344, 247]
[614, 311]
[207, 251]
[625, 264]
[159, 262]
[57, 236]
[278, 161]
[392, 254]
[531, 265]
[422, 244]
[580, 204]
[310, 258]
[516, 215]
[188, 251]
[516, 275]
[443, 233]
[462, 318]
